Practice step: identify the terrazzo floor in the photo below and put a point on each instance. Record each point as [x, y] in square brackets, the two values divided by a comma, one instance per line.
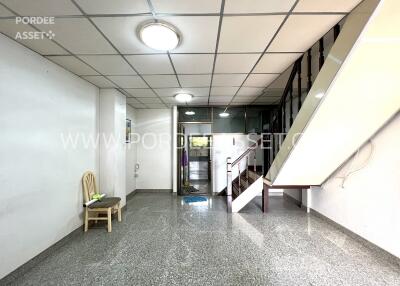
[163, 241]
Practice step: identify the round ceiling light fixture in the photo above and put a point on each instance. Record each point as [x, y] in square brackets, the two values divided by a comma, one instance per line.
[159, 36]
[183, 97]
[190, 112]
[224, 114]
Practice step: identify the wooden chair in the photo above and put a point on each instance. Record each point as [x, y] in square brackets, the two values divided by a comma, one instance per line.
[109, 205]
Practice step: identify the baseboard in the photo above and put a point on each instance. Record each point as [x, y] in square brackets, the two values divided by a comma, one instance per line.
[386, 255]
[380, 251]
[24, 268]
[131, 195]
[153, 190]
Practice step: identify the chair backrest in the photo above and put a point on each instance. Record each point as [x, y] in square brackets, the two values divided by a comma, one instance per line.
[89, 186]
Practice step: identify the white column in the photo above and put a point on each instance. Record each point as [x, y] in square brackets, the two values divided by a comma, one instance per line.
[112, 178]
[174, 149]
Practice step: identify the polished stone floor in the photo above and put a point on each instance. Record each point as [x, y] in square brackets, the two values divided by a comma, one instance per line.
[163, 241]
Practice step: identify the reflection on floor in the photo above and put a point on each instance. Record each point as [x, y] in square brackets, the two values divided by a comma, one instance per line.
[165, 241]
[198, 187]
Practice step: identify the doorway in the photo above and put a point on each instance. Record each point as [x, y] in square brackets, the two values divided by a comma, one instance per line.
[194, 159]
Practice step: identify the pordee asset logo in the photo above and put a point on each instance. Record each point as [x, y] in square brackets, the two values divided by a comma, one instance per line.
[34, 35]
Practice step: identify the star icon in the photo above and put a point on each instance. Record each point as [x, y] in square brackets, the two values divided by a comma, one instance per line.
[50, 35]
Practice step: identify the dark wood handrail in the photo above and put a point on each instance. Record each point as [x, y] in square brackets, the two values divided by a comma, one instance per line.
[251, 148]
[288, 84]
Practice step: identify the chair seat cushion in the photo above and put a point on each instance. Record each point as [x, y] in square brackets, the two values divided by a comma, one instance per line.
[105, 203]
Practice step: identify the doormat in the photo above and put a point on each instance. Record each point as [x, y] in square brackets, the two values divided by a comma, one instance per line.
[194, 199]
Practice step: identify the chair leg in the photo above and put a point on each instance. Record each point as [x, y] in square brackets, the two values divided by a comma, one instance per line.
[109, 220]
[86, 220]
[119, 213]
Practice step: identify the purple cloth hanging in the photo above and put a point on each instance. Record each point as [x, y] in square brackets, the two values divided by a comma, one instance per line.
[184, 158]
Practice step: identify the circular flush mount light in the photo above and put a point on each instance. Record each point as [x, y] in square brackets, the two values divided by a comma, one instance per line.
[190, 112]
[159, 36]
[183, 97]
[224, 114]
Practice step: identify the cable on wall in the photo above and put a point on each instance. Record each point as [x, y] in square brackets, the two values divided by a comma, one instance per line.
[354, 158]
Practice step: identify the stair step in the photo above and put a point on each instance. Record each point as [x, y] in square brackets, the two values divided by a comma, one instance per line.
[246, 179]
[243, 185]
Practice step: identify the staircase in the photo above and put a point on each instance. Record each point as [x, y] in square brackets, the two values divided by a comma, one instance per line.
[249, 181]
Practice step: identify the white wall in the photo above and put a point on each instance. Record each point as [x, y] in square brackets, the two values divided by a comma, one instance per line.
[154, 151]
[131, 154]
[40, 180]
[369, 203]
[112, 143]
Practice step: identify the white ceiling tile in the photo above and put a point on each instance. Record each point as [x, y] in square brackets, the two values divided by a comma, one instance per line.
[235, 63]
[221, 99]
[79, 36]
[109, 64]
[300, 32]
[73, 65]
[99, 81]
[146, 100]
[122, 32]
[140, 92]
[243, 99]
[326, 5]
[138, 106]
[170, 92]
[250, 91]
[151, 64]
[258, 6]
[157, 106]
[157, 81]
[200, 100]
[248, 33]
[169, 100]
[199, 91]
[197, 80]
[275, 63]
[192, 64]
[274, 92]
[281, 81]
[223, 91]
[172, 102]
[42, 7]
[199, 33]
[266, 99]
[132, 101]
[228, 79]
[4, 12]
[260, 80]
[43, 47]
[114, 6]
[130, 81]
[187, 6]
[239, 103]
